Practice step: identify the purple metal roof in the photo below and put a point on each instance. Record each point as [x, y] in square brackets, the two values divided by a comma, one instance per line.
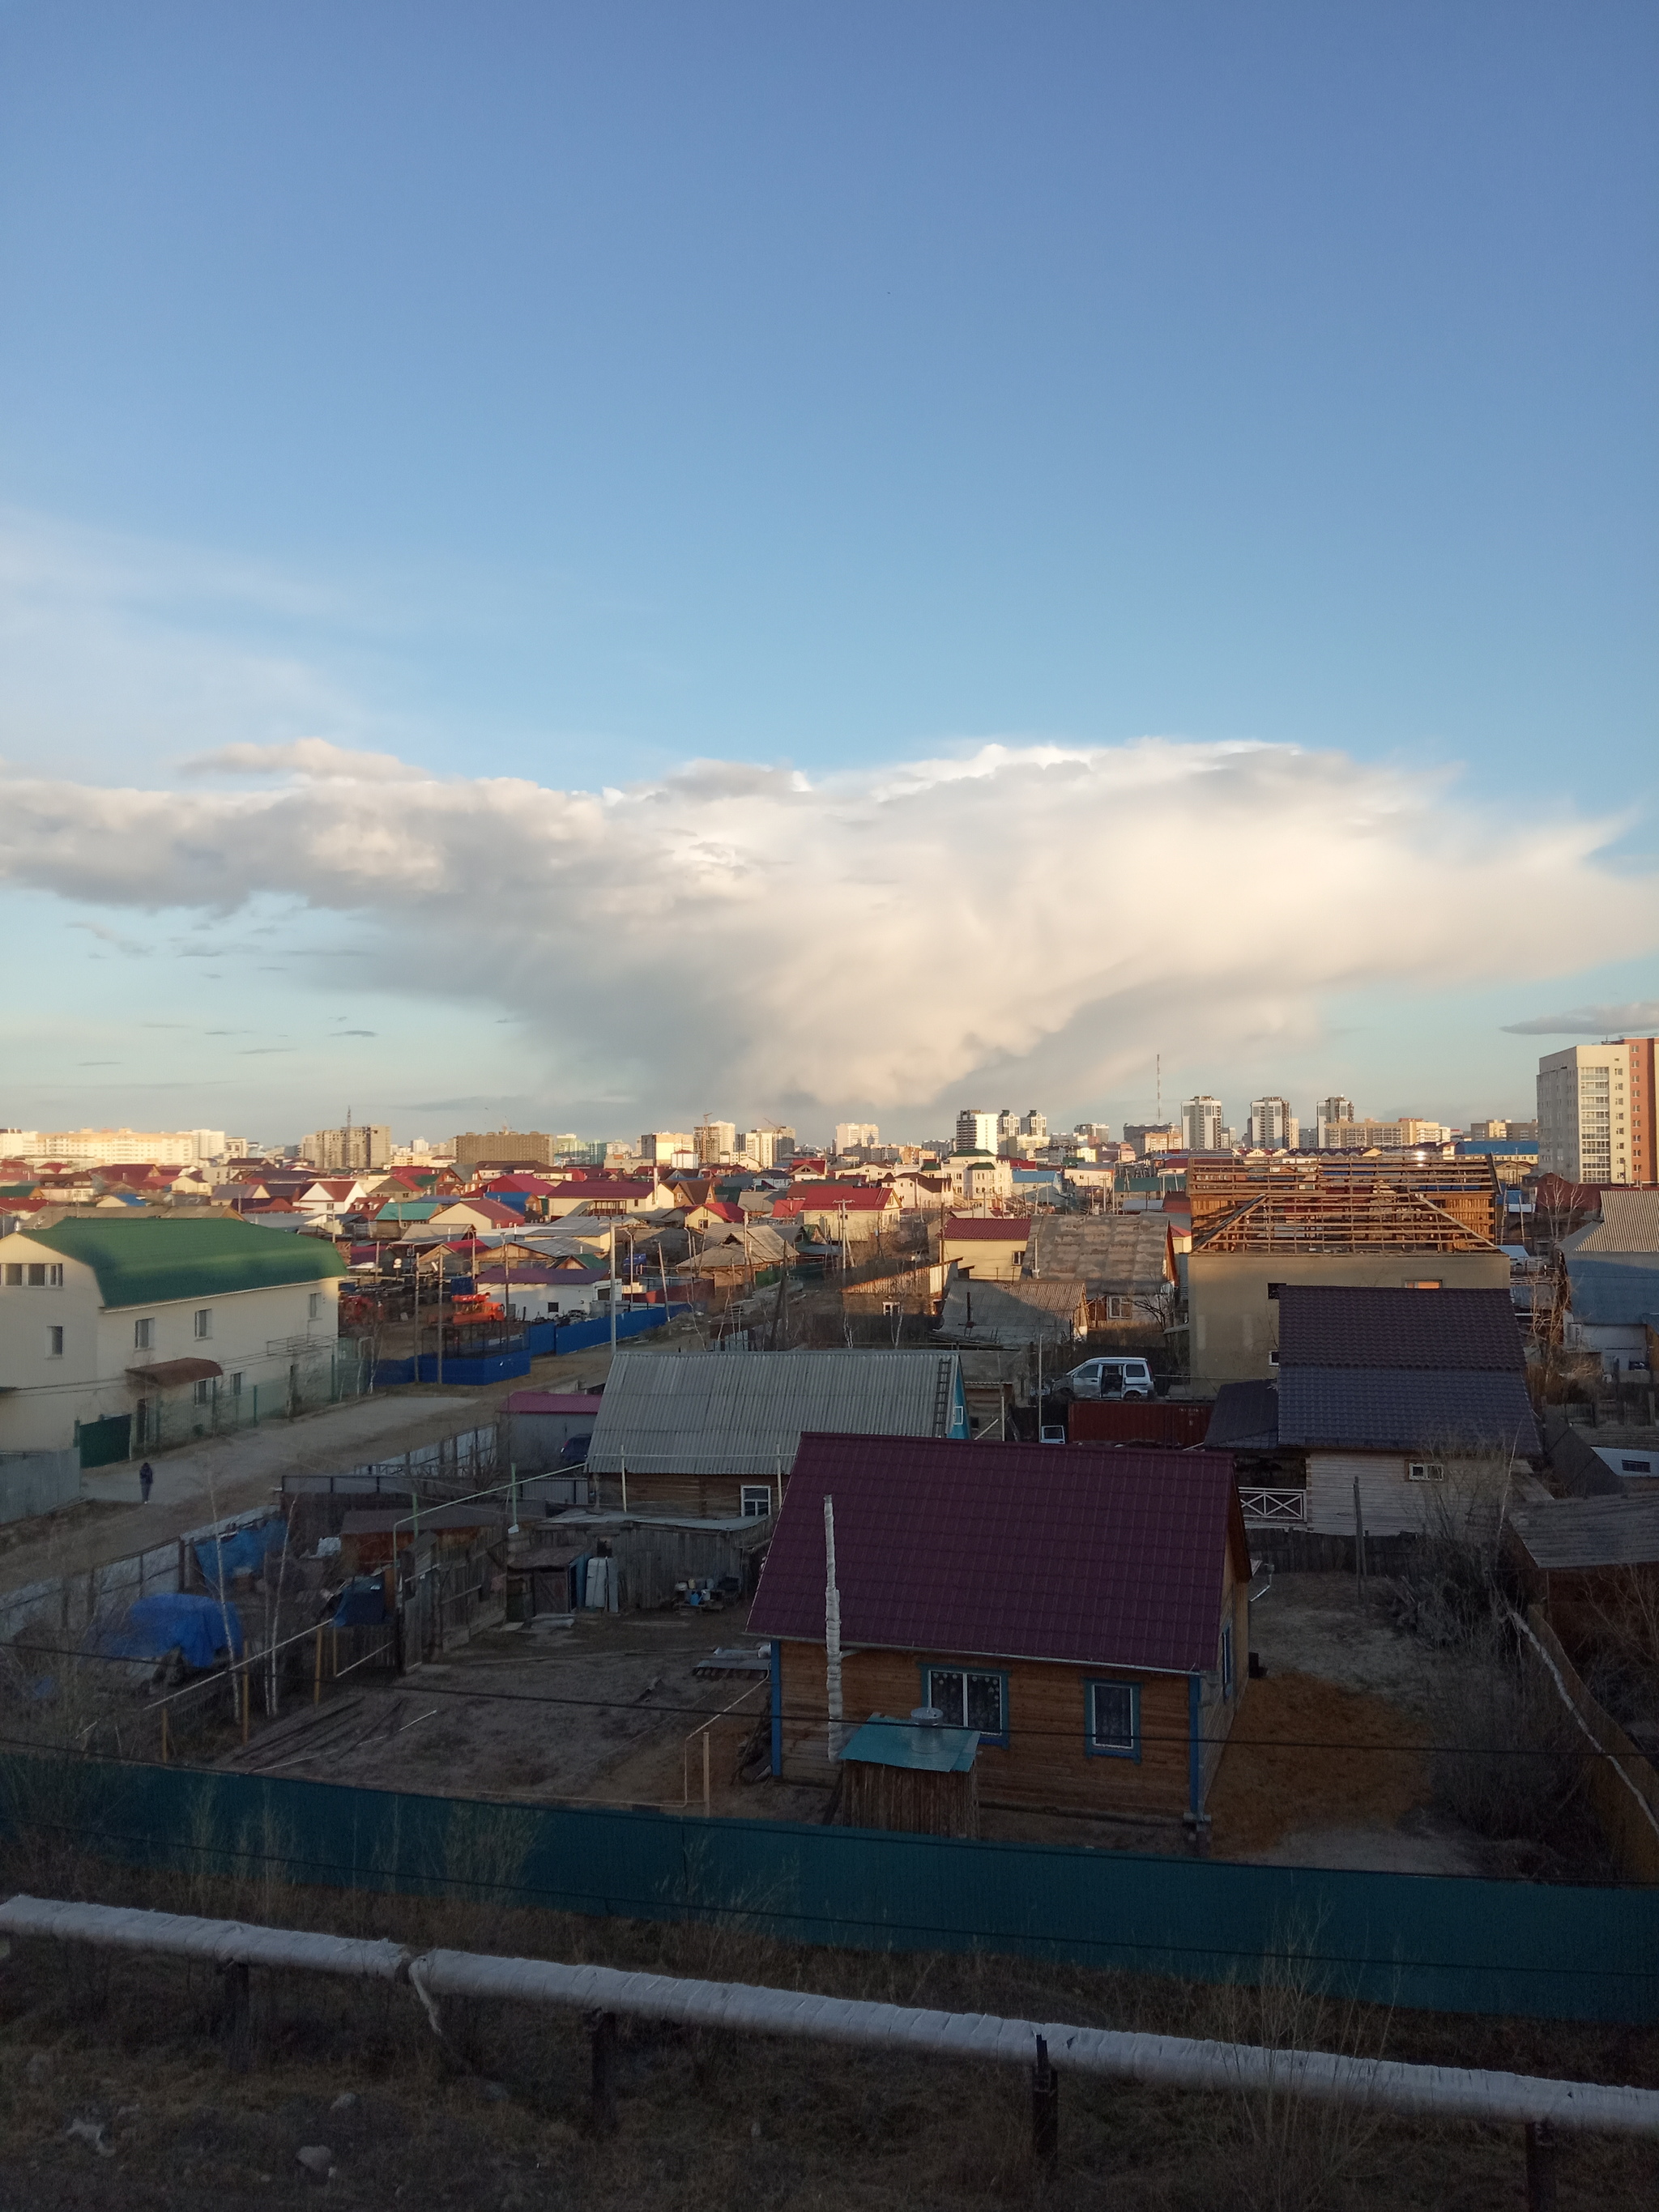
[1101, 1557]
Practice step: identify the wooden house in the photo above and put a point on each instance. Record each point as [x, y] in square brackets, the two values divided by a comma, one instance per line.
[1083, 1610]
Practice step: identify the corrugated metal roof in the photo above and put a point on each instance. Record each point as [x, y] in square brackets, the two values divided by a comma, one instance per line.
[1405, 1409]
[1327, 1325]
[700, 1413]
[1628, 1223]
[1613, 1289]
[154, 1258]
[986, 1229]
[1589, 1532]
[1118, 1255]
[1013, 1313]
[1097, 1558]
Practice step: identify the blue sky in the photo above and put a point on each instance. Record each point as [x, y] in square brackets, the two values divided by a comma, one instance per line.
[567, 394]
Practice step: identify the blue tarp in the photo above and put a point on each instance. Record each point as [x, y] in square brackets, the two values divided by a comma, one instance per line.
[153, 1626]
[362, 1603]
[243, 1553]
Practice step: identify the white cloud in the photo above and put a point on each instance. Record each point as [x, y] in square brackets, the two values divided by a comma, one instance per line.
[742, 933]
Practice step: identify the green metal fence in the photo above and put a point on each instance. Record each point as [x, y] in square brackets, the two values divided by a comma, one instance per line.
[1455, 1946]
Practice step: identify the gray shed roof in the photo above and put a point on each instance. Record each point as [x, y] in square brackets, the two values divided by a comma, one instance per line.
[1613, 1288]
[1014, 1313]
[1405, 1409]
[1628, 1223]
[1590, 1532]
[702, 1413]
[1117, 1255]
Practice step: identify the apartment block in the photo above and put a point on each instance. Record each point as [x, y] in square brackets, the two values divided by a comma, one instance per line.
[357, 1147]
[1201, 1124]
[977, 1131]
[1595, 1112]
[1274, 1127]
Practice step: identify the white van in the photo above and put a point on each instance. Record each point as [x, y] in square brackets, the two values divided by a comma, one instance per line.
[1109, 1378]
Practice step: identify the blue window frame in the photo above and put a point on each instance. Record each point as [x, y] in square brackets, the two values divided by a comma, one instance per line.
[1113, 1722]
[969, 1697]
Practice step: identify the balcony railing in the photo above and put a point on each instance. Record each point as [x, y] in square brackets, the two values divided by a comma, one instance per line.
[1283, 1505]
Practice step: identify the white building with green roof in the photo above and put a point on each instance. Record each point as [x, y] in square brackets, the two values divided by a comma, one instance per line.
[126, 1333]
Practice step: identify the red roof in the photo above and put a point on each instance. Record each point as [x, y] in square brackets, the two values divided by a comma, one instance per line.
[987, 1228]
[553, 1402]
[1068, 1552]
[490, 1210]
[608, 1187]
[830, 1197]
[524, 1186]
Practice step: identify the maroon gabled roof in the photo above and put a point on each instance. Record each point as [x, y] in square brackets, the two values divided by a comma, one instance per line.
[1099, 1558]
[553, 1402]
[987, 1228]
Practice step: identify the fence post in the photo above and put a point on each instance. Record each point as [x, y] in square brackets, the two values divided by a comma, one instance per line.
[602, 2036]
[1045, 2106]
[1540, 2166]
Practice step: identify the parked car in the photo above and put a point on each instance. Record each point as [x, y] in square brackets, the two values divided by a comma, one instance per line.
[1108, 1378]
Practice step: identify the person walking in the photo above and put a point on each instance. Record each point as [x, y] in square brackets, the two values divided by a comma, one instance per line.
[146, 1480]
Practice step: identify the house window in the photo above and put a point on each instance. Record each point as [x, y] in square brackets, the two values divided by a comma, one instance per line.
[1636, 1466]
[756, 1501]
[1409, 1284]
[1424, 1470]
[200, 1391]
[54, 1275]
[1114, 1723]
[37, 1277]
[143, 1335]
[969, 1700]
[204, 1322]
[14, 1274]
[235, 1385]
[313, 1305]
[54, 1344]
[1227, 1661]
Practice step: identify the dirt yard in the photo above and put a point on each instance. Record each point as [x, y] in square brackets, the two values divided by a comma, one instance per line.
[601, 1712]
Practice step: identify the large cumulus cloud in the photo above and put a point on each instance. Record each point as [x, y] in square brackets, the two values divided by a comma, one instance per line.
[883, 936]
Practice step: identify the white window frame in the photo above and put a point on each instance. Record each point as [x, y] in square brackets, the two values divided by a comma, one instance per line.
[1117, 1746]
[54, 1341]
[314, 1306]
[202, 1323]
[755, 1500]
[956, 1711]
[144, 1333]
[201, 1392]
[1424, 1470]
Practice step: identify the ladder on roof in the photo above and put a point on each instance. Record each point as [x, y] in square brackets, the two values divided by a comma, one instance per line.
[942, 1397]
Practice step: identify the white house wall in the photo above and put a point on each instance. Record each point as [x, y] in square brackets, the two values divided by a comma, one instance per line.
[1466, 1503]
[50, 1393]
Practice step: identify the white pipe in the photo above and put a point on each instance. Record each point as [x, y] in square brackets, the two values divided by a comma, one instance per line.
[221, 1943]
[1162, 2061]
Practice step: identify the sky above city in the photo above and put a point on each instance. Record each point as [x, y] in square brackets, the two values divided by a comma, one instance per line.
[583, 567]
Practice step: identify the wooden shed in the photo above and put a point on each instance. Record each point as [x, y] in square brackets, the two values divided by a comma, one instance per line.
[915, 1775]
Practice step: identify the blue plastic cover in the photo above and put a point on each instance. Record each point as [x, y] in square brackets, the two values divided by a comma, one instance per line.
[243, 1553]
[152, 1626]
[362, 1603]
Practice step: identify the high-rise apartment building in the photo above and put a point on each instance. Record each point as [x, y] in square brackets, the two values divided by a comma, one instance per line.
[757, 1148]
[1152, 1139]
[359, 1147]
[716, 1142]
[1093, 1133]
[1328, 1111]
[1034, 1127]
[1595, 1112]
[977, 1130]
[1410, 1130]
[1201, 1124]
[1273, 1128]
[856, 1136]
[1007, 1129]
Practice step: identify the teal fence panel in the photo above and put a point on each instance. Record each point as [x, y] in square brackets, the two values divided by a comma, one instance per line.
[1457, 1946]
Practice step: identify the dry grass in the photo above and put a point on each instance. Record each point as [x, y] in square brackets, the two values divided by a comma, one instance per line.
[496, 2116]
